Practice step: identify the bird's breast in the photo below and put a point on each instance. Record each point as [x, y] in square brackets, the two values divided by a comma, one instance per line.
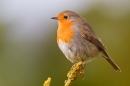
[65, 32]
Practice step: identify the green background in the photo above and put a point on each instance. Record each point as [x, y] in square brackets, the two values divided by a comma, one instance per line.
[30, 63]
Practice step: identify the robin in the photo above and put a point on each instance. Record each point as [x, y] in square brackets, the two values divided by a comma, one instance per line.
[77, 40]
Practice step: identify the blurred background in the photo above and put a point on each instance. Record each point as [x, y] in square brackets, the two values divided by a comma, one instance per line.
[29, 53]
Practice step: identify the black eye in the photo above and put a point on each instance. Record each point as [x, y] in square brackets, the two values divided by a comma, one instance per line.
[66, 17]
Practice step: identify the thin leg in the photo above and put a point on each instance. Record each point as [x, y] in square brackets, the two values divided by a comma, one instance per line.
[83, 69]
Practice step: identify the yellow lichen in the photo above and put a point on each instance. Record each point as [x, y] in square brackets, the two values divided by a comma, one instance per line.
[74, 73]
[47, 82]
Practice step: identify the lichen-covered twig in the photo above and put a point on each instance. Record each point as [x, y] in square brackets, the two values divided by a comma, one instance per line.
[47, 82]
[75, 72]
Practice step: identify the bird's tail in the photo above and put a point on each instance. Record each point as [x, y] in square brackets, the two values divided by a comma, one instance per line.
[113, 64]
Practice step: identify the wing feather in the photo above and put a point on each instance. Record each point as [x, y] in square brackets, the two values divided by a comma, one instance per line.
[87, 32]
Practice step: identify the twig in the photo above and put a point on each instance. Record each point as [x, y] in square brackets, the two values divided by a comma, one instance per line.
[74, 73]
[47, 82]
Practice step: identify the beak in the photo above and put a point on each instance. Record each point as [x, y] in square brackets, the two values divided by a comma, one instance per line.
[54, 18]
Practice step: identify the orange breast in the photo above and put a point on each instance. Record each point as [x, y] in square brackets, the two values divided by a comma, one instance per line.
[65, 32]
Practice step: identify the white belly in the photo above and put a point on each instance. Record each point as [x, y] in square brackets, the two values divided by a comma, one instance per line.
[77, 53]
[66, 49]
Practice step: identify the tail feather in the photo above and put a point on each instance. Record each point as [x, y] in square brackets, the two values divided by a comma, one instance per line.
[113, 64]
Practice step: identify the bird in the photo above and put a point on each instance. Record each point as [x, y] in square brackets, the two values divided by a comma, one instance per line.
[78, 41]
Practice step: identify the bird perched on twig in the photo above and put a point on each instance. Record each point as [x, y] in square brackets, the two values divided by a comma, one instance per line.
[77, 40]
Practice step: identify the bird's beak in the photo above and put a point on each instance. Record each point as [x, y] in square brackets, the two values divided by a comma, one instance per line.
[54, 18]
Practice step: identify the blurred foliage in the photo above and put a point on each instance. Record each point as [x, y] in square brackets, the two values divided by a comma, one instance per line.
[1, 37]
[23, 64]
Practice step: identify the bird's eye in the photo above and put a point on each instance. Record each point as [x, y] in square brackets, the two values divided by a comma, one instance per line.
[66, 17]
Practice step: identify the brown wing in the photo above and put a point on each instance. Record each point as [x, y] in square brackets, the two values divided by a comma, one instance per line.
[88, 33]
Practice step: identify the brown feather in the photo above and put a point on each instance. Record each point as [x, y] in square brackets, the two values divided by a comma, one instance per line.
[88, 33]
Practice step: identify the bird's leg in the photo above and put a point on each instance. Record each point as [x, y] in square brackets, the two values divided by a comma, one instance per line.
[83, 69]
